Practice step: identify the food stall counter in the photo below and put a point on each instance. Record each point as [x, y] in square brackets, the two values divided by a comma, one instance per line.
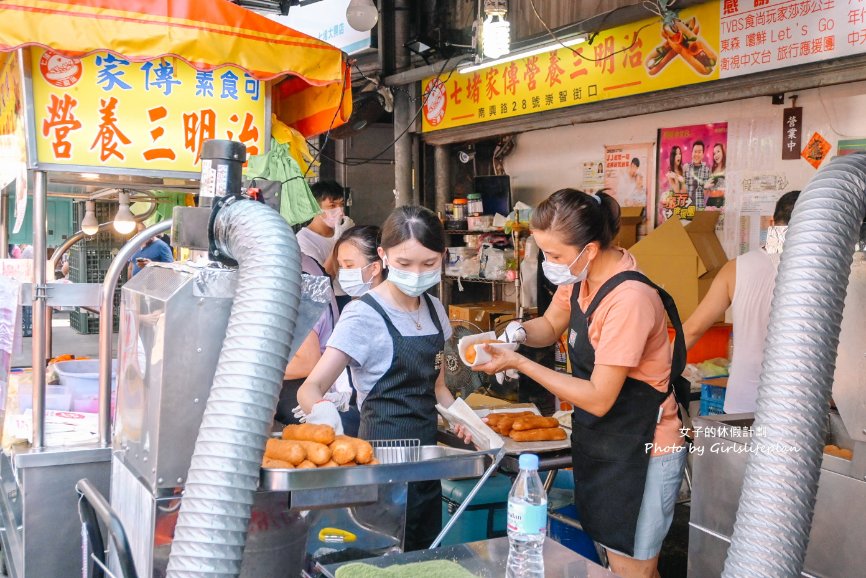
[487, 558]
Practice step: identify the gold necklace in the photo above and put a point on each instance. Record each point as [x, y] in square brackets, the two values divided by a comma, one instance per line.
[416, 319]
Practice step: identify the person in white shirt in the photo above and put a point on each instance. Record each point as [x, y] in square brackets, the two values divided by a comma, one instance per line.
[745, 284]
[318, 238]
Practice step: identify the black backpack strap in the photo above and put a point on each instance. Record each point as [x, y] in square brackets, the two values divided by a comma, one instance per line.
[679, 385]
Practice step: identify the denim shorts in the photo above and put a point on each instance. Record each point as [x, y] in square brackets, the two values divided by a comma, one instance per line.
[663, 480]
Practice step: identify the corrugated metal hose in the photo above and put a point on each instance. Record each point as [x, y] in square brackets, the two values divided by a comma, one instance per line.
[774, 518]
[224, 473]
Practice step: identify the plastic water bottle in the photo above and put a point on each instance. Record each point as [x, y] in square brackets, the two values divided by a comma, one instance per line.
[527, 522]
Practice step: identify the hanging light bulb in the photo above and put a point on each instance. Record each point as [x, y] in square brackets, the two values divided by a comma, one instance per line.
[362, 15]
[89, 224]
[495, 35]
[124, 221]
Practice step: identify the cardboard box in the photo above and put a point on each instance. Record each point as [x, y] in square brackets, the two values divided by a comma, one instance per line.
[484, 314]
[683, 260]
[630, 220]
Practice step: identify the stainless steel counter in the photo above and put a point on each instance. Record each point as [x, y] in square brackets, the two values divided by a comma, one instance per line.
[488, 559]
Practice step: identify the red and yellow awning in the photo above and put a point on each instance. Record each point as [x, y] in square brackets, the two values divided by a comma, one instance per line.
[207, 34]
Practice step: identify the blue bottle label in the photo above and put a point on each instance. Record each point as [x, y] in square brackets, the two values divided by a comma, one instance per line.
[527, 518]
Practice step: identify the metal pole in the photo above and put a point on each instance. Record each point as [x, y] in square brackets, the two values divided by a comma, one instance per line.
[106, 323]
[442, 169]
[40, 310]
[4, 225]
[402, 108]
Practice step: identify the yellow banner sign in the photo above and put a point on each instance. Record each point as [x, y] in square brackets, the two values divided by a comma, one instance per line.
[103, 111]
[633, 59]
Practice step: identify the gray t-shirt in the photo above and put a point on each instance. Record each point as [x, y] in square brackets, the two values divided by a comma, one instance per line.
[362, 334]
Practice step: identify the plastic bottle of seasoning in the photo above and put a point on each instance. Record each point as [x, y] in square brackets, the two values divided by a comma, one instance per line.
[460, 209]
[476, 207]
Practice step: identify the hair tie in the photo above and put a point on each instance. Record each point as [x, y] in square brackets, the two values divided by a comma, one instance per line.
[597, 198]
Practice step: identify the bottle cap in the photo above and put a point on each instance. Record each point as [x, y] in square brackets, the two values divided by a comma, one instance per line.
[528, 462]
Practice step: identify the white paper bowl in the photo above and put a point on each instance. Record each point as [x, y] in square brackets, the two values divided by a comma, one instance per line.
[481, 356]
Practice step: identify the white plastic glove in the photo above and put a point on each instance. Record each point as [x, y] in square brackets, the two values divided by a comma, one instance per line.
[325, 413]
[514, 333]
[340, 399]
[345, 224]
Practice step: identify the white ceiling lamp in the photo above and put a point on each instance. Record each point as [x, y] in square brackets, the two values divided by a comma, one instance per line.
[495, 30]
[523, 54]
[124, 221]
[89, 224]
[362, 15]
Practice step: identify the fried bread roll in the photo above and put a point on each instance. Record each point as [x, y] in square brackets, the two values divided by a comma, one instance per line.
[505, 424]
[843, 453]
[273, 464]
[550, 434]
[307, 432]
[348, 465]
[330, 464]
[317, 453]
[472, 353]
[534, 422]
[363, 451]
[342, 450]
[493, 419]
[286, 451]
[306, 465]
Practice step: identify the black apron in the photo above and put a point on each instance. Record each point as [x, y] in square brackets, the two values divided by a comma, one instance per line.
[609, 452]
[402, 405]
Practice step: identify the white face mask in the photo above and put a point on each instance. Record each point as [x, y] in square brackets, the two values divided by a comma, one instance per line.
[352, 281]
[775, 239]
[561, 274]
[413, 284]
[332, 217]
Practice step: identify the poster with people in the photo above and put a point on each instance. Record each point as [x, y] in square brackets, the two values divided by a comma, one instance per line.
[691, 170]
[627, 173]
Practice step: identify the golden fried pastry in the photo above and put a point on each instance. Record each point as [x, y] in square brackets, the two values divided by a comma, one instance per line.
[550, 434]
[285, 450]
[307, 432]
[273, 464]
[317, 453]
[534, 422]
[342, 450]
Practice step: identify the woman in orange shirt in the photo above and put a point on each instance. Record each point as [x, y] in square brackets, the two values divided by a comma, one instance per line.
[626, 445]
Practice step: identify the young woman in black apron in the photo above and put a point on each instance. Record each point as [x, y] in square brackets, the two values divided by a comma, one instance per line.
[392, 339]
[627, 448]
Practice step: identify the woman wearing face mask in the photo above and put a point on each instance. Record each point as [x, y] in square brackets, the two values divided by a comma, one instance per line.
[392, 339]
[626, 445]
[360, 267]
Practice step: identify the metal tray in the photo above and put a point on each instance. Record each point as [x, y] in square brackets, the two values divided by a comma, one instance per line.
[433, 463]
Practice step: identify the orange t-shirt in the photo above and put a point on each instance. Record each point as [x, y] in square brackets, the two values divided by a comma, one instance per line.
[629, 329]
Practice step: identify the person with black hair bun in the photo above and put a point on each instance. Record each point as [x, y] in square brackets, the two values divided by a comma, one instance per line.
[627, 449]
[392, 340]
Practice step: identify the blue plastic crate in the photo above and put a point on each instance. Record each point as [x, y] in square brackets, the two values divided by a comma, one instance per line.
[712, 407]
[712, 392]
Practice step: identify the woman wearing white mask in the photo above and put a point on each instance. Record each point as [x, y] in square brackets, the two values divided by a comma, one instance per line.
[626, 445]
[360, 267]
[392, 339]
[320, 235]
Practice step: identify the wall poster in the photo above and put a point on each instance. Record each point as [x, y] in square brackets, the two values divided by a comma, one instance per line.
[691, 170]
[628, 174]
